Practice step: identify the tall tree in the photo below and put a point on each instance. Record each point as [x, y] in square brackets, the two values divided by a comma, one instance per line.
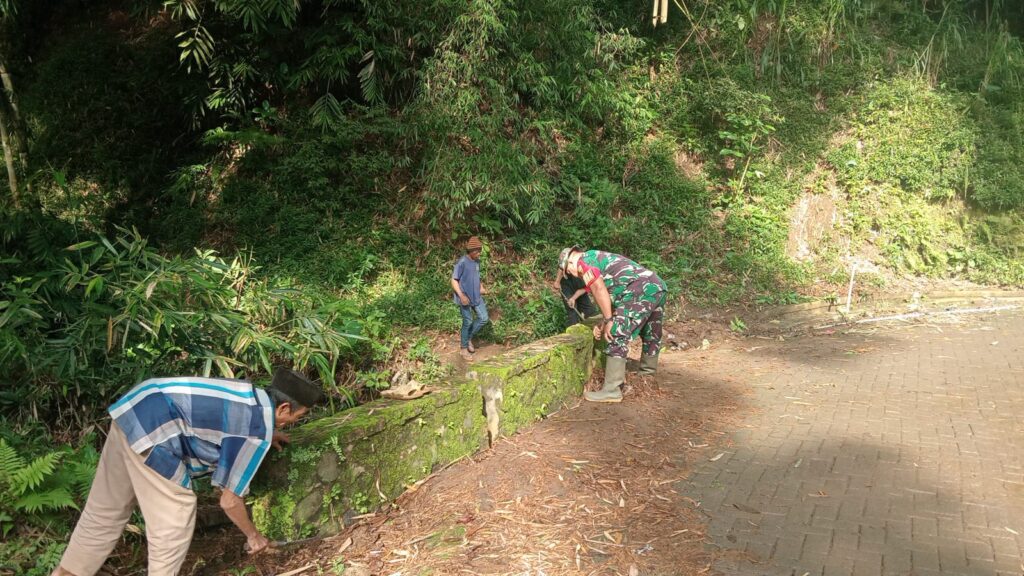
[15, 113]
[12, 133]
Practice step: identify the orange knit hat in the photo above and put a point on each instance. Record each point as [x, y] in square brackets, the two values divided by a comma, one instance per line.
[473, 244]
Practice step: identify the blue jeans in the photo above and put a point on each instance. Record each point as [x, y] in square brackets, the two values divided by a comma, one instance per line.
[469, 326]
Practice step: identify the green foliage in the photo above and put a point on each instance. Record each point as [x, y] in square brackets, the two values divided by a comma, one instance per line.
[20, 483]
[86, 116]
[910, 136]
[537, 71]
[1002, 233]
[361, 503]
[383, 128]
[745, 130]
[99, 315]
[32, 490]
[737, 325]
[425, 365]
[420, 351]
[349, 51]
[532, 71]
[916, 235]
[784, 40]
[32, 556]
[373, 379]
[274, 516]
[998, 176]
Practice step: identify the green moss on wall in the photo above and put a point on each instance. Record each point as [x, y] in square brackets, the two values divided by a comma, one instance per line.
[351, 463]
[272, 513]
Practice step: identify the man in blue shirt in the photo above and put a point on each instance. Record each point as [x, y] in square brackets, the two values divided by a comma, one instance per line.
[468, 295]
[166, 432]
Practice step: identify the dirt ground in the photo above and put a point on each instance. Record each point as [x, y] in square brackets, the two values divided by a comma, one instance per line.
[589, 490]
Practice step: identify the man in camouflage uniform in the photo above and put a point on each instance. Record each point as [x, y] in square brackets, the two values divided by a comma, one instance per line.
[631, 299]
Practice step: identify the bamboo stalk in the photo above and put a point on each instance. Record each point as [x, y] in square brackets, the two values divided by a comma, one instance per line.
[12, 175]
[654, 13]
[21, 142]
[664, 11]
[849, 292]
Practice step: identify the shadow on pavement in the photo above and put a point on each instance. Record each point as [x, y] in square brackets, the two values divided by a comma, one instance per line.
[846, 507]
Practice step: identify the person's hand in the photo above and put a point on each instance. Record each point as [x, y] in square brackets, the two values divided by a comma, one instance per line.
[483, 291]
[572, 301]
[608, 331]
[464, 299]
[279, 440]
[597, 332]
[256, 543]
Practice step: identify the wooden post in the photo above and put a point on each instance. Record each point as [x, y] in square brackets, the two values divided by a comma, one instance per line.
[849, 291]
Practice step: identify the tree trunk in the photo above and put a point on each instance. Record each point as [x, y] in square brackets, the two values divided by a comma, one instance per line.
[12, 174]
[20, 142]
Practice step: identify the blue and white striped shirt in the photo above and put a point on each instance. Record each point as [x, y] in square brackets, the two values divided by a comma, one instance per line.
[192, 426]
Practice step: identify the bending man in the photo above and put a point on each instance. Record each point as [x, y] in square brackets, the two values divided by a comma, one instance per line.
[631, 299]
[166, 432]
[578, 306]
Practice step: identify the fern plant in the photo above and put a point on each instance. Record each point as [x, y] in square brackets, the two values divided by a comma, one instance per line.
[30, 489]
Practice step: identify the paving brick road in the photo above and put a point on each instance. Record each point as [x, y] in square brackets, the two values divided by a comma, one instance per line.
[897, 452]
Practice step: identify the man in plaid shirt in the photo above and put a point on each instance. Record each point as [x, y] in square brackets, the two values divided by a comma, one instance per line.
[166, 432]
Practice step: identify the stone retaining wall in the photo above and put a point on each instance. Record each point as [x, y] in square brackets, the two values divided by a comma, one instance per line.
[350, 463]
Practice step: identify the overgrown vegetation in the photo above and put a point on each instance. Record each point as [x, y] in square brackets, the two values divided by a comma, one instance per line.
[33, 495]
[220, 185]
[100, 315]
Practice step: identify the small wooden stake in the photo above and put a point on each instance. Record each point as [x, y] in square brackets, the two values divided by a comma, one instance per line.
[298, 570]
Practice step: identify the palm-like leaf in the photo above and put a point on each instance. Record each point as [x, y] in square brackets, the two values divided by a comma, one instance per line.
[32, 476]
[10, 462]
[55, 499]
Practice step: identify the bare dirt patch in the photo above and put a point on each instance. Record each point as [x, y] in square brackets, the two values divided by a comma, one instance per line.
[813, 219]
[689, 164]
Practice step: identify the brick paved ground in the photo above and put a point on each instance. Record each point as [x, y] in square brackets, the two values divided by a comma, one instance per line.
[898, 452]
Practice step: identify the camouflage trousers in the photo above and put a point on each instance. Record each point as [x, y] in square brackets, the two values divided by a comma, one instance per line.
[641, 314]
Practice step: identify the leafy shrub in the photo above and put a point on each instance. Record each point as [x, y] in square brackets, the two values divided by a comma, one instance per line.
[910, 136]
[103, 314]
[21, 487]
[373, 379]
[538, 73]
[1002, 233]
[32, 490]
[32, 555]
[86, 116]
[998, 177]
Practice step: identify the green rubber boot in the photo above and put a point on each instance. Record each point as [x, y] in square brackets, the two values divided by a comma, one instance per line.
[614, 376]
[648, 365]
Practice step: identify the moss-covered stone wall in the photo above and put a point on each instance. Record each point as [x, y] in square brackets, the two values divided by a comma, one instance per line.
[350, 463]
